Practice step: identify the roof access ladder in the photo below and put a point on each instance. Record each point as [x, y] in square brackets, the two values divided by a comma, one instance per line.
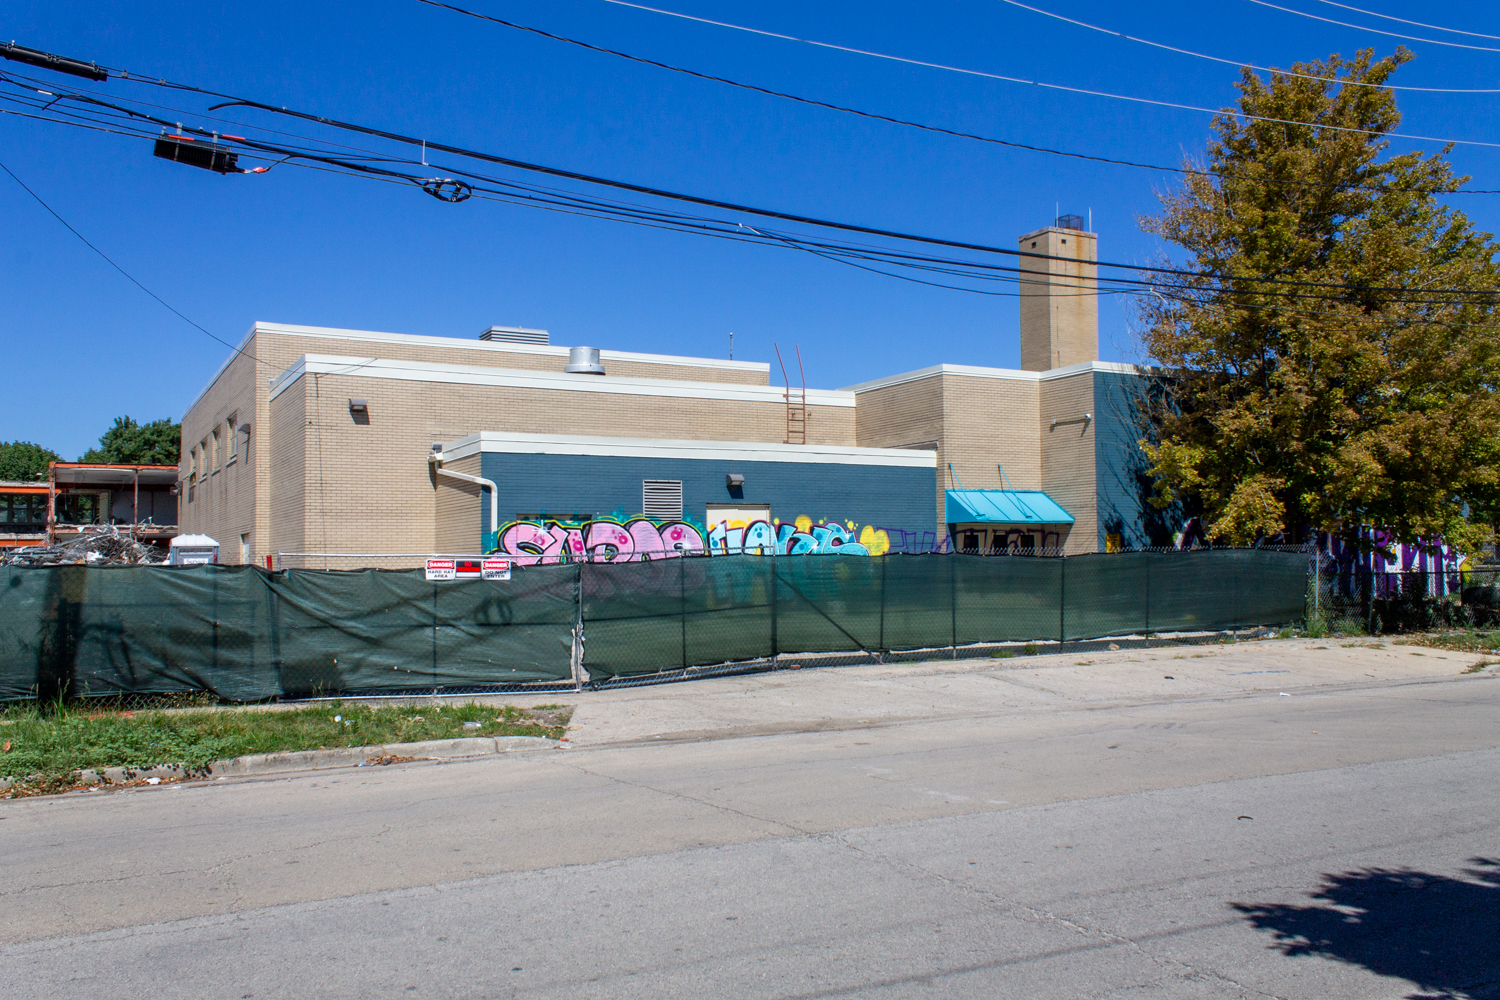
[796, 400]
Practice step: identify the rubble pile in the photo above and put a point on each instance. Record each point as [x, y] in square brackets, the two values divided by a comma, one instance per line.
[103, 546]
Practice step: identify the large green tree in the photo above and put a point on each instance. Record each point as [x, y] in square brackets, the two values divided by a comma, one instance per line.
[1359, 387]
[130, 443]
[24, 462]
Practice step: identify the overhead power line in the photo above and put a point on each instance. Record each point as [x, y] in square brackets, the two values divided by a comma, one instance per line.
[111, 262]
[1363, 27]
[1091, 157]
[502, 189]
[1402, 20]
[1241, 62]
[1051, 86]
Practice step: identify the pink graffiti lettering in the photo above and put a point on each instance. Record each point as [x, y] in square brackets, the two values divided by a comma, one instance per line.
[533, 543]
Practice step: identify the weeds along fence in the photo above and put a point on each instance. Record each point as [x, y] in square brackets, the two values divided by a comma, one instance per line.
[245, 634]
[1354, 598]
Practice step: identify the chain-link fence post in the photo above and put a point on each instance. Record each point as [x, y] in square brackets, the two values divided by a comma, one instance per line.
[682, 606]
[775, 600]
[576, 660]
[881, 641]
[1062, 601]
[1148, 556]
[953, 603]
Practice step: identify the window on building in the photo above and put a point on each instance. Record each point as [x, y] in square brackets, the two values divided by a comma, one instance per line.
[245, 549]
[202, 457]
[192, 469]
[4, 509]
[233, 437]
[215, 464]
[662, 499]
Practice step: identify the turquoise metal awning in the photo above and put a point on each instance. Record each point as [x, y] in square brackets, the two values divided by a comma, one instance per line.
[1004, 507]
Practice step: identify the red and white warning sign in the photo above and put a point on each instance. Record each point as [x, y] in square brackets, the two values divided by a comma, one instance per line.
[468, 569]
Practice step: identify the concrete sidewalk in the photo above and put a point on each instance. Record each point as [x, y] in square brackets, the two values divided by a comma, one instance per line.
[853, 697]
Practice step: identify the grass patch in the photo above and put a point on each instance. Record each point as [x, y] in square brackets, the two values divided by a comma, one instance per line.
[43, 750]
[1480, 666]
[1029, 649]
[1003, 654]
[1459, 641]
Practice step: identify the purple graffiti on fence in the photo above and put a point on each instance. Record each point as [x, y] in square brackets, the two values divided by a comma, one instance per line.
[639, 539]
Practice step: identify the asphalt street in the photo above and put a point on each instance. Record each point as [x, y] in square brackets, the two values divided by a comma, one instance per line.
[1338, 840]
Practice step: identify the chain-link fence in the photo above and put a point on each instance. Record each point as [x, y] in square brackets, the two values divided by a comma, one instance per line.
[240, 633]
[1354, 599]
[641, 618]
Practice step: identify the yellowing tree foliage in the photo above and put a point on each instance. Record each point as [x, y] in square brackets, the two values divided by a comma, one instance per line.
[1361, 389]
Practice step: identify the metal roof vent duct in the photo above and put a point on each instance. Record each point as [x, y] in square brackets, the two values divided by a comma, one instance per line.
[515, 335]
[584, 361]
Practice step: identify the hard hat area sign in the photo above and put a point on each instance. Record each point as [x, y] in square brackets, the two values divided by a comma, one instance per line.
[468, 569]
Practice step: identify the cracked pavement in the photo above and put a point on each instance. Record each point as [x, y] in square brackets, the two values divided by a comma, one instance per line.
[897, 831]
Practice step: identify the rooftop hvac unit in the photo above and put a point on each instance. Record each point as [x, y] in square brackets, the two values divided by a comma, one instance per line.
[515, 335]
[584, 361]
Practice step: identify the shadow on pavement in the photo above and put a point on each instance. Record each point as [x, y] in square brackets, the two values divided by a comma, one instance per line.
[1439, 932]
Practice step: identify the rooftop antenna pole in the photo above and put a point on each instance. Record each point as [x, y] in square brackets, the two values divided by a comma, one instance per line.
[731, 343]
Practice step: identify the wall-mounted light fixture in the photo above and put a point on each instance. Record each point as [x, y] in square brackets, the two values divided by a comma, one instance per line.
[359, 406]
[734, 481]
[1086, 419]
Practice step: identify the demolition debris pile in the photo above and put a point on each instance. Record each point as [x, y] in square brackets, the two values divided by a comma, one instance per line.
[101, 547]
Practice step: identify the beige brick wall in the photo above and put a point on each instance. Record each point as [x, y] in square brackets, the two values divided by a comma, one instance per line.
[977, 423]
[286, 479]
[459, 506]
[1067, 455]
[1059, 300]
[490, 355]
[367, 487]
[239, 500]
[221, 502]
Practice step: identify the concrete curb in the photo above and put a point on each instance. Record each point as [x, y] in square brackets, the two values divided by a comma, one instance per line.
[314, 760]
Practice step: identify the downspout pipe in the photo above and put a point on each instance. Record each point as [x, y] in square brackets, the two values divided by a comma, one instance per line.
[436, 458]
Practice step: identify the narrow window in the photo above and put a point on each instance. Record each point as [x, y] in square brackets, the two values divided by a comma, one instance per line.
[662, 499]
[234, 438]
[215, 464]
[193, 465]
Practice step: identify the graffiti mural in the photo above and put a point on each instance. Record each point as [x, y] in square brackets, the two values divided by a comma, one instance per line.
[801, 537]
[638, 539]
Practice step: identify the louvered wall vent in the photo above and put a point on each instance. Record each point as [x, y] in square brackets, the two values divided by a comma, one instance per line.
[662, 498]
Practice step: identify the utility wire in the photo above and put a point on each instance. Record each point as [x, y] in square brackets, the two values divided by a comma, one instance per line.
[1241, 62]
[130, 277]
[1402, 20]
[1057, 86]
[371, 170]
[1189, 171]
[1361, 27]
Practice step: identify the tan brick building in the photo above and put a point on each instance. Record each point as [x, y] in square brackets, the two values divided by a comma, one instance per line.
[314, 440]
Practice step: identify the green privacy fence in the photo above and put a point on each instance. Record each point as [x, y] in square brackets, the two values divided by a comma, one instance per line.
[646, 617]
[243, 634]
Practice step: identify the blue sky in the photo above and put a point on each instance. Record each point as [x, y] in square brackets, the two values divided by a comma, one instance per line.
[80, 345]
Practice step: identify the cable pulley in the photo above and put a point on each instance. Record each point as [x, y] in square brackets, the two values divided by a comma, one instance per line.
[447, 189]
